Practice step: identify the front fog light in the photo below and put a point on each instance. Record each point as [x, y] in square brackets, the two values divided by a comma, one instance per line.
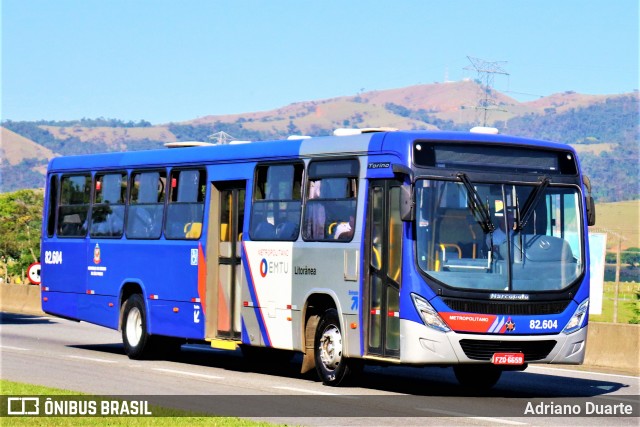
[577, 320]
[429, 316]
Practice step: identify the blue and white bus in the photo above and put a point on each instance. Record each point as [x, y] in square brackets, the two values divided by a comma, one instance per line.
[413, 248]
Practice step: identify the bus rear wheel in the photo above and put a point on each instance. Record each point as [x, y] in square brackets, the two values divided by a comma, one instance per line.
[477, 377]
[331, 365]
[135, 338]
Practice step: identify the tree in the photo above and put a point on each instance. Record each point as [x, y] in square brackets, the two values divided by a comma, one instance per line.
[20, 229]
[631, 256]
[636, 310]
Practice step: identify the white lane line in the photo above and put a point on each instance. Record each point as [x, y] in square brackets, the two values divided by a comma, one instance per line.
[92, 359]
[8, 347]
[189, 374]
[462, 414]
[575, 371]
[302, 390]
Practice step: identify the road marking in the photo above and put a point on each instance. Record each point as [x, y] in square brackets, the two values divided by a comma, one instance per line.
[190, 374]
[302, 390]
[462, 414]
[575, 371]
[8, 347]
[92, 359]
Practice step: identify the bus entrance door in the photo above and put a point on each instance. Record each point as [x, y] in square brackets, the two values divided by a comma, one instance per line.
[224, 267]
[382, 297]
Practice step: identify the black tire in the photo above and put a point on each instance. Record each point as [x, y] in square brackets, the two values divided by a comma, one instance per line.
[136, 340]
[331, 365]
[477, 377]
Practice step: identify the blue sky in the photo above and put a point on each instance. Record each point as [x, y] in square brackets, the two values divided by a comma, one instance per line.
[167, 60]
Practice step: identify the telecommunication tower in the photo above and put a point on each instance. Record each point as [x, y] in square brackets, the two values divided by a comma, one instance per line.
[486, 73]
[221, 138]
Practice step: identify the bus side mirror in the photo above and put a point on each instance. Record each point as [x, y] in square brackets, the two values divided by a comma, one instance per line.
[591, 211]
[591, 205]
[406, 203]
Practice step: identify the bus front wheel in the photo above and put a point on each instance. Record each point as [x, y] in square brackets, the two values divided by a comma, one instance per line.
[134, 328]
[330, 363]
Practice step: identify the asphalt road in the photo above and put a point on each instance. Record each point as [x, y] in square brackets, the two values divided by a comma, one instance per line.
[83, 357]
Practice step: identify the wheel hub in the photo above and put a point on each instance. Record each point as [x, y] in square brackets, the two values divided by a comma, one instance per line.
[331, 347]
[134, 326]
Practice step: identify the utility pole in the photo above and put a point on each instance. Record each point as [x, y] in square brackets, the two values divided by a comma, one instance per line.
[616, 291]
[486, 74]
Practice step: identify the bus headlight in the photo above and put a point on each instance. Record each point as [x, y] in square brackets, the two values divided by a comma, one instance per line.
[578, 318]
[429, 316]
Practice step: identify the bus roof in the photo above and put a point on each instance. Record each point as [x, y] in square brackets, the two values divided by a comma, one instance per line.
[398, 142]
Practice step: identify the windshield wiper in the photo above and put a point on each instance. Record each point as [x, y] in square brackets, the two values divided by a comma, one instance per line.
[531, 202]
[479, 210]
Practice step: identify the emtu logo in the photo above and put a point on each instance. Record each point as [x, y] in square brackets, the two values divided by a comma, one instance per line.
[264, 267]
[96, 254]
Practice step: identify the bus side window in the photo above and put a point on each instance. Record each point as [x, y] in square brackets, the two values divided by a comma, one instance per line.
[186, 204]
[146, 205]
[330, 209]
[275, 213]
[52, 205]
[74, 205]
[107, 214]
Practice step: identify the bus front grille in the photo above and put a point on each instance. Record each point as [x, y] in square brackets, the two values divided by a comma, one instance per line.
[513, 308]
[484, 350]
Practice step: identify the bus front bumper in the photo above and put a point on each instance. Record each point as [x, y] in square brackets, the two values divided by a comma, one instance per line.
[421, 345]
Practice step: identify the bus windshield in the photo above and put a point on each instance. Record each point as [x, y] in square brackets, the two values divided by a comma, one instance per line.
[522, 238]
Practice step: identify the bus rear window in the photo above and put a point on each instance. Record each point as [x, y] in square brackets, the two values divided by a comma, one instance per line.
[52, 205]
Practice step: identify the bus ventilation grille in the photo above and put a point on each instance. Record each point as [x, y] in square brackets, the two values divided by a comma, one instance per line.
[484, 350]
[510, 308]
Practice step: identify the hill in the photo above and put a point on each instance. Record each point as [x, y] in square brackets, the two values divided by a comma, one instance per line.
[442, 101]
[603, 128]
[16, 148]
[622, 218]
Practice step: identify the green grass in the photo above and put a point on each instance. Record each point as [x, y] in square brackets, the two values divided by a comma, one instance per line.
[162, 416]
[626, 302]
[622, 218]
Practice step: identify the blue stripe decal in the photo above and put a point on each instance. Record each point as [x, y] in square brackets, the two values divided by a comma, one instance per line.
[245, 334]
[363, 264]
[254, 298]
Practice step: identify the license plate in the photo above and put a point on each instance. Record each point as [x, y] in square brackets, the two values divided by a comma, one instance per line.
[508, 359]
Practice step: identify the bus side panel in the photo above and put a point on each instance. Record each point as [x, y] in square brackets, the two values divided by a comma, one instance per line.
[166, 271]
[254, 331]
[98, 309]
[269, 265]
[64, 304]
[177, 318]
[63, 266]
[320, 268]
